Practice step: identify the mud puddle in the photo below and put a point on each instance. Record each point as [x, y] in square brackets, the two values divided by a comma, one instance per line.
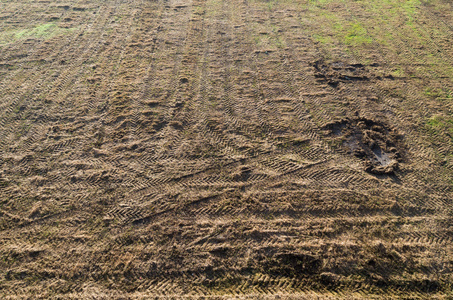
[372, 141]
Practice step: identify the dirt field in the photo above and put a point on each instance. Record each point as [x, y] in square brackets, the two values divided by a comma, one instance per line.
[226, 148]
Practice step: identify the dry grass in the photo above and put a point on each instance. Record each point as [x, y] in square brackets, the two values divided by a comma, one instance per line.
[226, 150]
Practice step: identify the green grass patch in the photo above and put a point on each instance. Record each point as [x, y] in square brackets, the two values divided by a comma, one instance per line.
[323, 39]
[357, 35]
[38, 32]
[439, 94]
[439, 124]
[336, 27]
[43, 31]
[402, 29]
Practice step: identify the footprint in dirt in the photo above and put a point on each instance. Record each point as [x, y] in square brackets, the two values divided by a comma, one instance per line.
[372, 141]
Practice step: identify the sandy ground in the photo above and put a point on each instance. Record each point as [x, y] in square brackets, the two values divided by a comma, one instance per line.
[226, 149]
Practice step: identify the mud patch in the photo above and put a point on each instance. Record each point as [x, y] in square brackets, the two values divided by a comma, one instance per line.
[292, 264]
[336, 72]
[375, 143]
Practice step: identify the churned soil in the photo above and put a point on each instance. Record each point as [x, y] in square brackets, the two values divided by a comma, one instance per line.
[226, 149]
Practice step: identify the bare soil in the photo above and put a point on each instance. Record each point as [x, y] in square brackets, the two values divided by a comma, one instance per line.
[226, 149]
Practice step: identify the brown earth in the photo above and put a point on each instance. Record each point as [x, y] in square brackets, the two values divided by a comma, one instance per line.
[226, 149]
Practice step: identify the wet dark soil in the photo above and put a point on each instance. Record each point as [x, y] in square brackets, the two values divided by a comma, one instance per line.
[376, 143]
[336, 72]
